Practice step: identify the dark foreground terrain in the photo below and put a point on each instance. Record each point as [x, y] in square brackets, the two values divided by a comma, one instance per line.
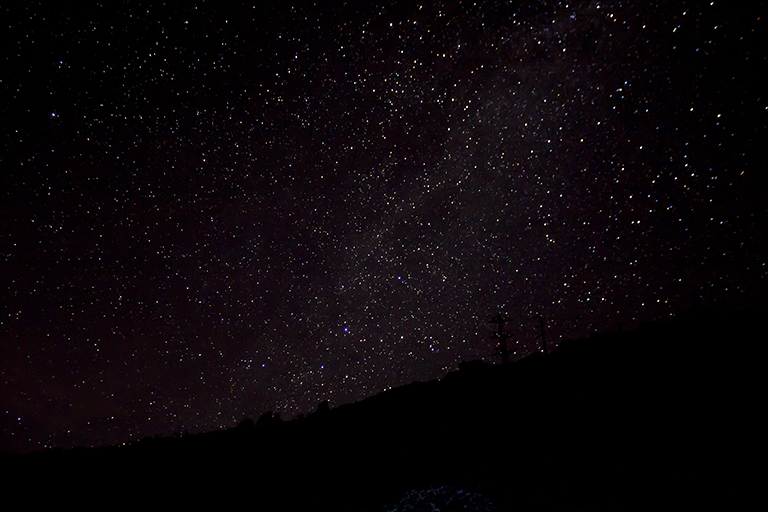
[662, 417]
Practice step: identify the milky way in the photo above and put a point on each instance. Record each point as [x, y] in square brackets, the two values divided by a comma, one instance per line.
[214, 210]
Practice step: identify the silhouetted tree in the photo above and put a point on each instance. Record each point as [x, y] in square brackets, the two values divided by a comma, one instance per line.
[323, 408]
[502, 336]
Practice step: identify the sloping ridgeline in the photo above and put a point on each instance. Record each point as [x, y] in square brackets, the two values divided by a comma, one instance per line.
[658, 417]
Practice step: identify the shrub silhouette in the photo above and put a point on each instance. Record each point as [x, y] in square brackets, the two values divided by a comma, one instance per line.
[269, 419]
[246, 424]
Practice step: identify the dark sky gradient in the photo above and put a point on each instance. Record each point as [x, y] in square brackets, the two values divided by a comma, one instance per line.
[210, 210]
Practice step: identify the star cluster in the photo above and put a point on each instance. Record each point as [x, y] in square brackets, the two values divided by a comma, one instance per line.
[211, 209]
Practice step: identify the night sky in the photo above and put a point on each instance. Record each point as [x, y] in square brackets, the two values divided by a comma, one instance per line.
[211, 210]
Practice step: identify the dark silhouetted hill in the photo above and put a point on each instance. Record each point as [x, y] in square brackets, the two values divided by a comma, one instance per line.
[659, 417]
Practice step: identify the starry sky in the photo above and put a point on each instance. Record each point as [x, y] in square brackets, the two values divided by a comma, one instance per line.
[210, 209]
